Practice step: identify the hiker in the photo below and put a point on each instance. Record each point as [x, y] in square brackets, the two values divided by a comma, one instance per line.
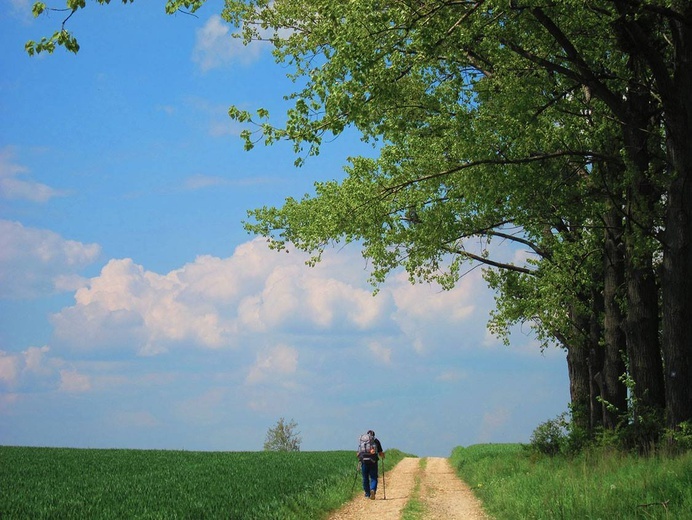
[369, 452]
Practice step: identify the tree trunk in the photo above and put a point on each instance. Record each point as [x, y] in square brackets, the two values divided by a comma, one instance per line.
[614, 391]
[643, 196]
[578, 369]
[676, 272]
[643, 348]
[676, 282]
[595, 360]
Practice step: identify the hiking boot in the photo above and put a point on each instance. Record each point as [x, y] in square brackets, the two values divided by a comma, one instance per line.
[367, 496]
[372, 495]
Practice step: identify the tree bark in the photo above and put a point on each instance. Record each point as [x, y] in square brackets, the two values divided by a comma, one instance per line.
[613, 391]
[595, 360]
[676, 282]
[643, 347]
[676, 271]
[578, 369]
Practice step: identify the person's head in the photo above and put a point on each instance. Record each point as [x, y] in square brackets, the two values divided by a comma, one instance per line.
[370, 432]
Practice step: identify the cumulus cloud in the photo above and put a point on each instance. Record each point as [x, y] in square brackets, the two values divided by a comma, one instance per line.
[295, 297]
[36, 262]
[426, 313]
[276, 362]
[215, 46]
[225, 303]
[211, 303]
[14, 183]
[35, 369]
[9, 368]
[128, 307]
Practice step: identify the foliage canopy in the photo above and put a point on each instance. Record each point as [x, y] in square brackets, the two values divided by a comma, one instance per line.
[560, 128]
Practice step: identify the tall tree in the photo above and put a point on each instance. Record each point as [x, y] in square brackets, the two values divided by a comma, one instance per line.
[563, 127]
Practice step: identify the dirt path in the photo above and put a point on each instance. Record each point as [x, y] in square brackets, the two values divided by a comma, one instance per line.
[443, 495]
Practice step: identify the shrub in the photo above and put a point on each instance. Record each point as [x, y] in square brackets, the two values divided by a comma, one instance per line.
[550, 437]
[679, 440]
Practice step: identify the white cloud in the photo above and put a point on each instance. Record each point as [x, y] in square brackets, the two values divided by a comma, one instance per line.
[72, 381]
[380, 353]
[34, 368]
[215, 46]
[15, 185]
[269, 324]
[221, 303]
[426, 313]
[296, 296]
[128, 306]
[37, 261]
[9, 368]
[278, 361]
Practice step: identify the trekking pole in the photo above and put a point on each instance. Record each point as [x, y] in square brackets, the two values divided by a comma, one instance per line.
[355, 478]
[384, 482]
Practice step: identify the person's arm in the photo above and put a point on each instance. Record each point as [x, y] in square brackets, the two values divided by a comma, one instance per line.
[380, 452]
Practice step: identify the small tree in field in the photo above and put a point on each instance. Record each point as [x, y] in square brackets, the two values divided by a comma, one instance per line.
[283, 437]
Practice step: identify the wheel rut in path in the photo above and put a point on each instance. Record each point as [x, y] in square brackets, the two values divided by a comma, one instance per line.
[443, 495]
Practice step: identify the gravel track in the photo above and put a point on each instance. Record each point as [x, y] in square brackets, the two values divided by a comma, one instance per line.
[443, 495]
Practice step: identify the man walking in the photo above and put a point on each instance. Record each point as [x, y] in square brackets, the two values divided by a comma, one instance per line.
[369, 452]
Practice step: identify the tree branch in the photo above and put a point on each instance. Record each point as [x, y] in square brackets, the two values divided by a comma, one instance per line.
[487, 261]
[499, 162]
[538, 250]
[584, 74]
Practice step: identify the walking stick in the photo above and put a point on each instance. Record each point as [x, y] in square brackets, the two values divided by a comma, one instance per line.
[355, 478]
[384, 481]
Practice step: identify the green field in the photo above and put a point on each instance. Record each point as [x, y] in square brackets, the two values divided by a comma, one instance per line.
[72, 483]
[514, 483]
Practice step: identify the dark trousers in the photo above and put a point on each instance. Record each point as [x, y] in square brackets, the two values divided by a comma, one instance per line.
[369, 471]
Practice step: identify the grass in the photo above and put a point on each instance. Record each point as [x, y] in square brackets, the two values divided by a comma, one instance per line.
[514, 483]
[414, 508]
[147, 484]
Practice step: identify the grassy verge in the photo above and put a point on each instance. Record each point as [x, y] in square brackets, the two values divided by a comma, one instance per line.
[514, 483]
[414, 508]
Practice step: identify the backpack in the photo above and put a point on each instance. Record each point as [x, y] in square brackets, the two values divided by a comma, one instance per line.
[367, 449]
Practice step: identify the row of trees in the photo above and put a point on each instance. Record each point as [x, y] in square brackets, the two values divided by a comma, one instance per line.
[562, 127]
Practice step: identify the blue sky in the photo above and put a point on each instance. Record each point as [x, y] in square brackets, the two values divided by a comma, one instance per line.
[135, 312]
